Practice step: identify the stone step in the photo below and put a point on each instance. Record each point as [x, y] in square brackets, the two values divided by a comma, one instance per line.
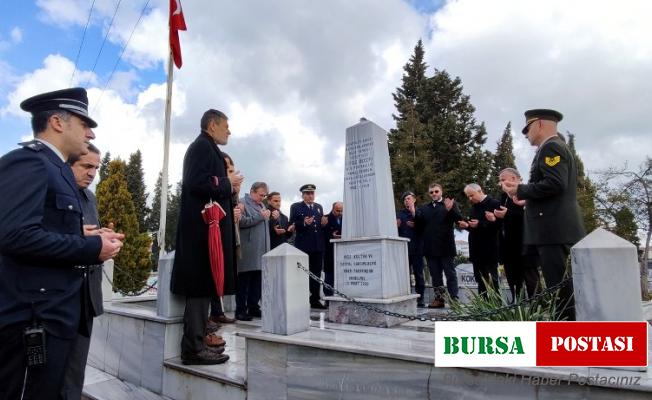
[99, 385]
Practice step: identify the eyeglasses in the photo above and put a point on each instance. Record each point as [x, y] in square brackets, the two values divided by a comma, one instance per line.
[433, 191]
[527, 126]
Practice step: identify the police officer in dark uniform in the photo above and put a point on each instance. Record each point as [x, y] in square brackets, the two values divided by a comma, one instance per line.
[41, 245]
[306, 217]
[552, 215]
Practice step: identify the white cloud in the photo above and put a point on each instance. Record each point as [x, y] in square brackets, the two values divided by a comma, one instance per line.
[16, 35]
[292, 75]
[588, 59]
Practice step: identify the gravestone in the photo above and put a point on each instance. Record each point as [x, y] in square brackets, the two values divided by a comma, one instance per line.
[371, 260]
[606, 278]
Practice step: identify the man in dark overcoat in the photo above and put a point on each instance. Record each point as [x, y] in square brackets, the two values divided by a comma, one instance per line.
[483, 237]
[553, 221]
[84, 169]
[306, 217]
[332, 230]
[204, 179]
[43, 250]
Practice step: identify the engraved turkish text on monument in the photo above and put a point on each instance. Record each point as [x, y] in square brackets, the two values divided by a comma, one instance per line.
[359, 168]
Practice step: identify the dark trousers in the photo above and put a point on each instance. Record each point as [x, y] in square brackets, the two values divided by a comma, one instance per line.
[553, 260]
[41, 383]
[216, 307]
[416, 261]
[73, 382]
[249, 290]
[194, 324]
[485, 271]
[329, 269]
[521, 270]
[315, 260]
[437, 265]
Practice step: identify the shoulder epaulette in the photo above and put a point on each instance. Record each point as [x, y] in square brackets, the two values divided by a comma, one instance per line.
[33, 145]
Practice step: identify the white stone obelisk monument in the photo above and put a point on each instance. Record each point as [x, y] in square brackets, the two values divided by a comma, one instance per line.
[371, 260]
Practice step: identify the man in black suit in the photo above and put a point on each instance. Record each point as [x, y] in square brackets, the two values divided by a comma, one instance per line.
[553, 221]
[406, 229]
[84, 169]
[520, 268]
[483, 237]
[279, 227]
[205, 178]
[434, 223]
[43, 249]
[306, 218]
[332, 230]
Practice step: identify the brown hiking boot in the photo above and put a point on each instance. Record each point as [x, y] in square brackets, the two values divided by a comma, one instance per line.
[437, 303]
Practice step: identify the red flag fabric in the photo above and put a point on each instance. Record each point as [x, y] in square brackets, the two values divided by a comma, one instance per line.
[212, 214]
[177, 23]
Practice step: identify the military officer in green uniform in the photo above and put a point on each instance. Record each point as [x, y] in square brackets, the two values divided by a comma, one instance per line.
[552, 215]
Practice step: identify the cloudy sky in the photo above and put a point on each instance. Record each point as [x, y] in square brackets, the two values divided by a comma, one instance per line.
[292, 74]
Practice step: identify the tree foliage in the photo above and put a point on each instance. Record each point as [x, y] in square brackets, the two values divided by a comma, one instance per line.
[622, 188]
[115, 206]
[136, 185]
[437, 138]
[503, 158]
[104, 166]
[585, 190]
[171, 221]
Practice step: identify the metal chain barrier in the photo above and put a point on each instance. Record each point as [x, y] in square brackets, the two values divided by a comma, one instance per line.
[449, 317]
[129, 294]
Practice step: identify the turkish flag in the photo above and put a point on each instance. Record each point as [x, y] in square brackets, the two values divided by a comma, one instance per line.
[177, 23]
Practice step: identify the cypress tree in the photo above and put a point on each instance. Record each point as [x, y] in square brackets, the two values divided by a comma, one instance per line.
[136, 186]
[436, 138]
[586, 191]
[503, 158]
[104, 166]
[115, 206]
[626, 227]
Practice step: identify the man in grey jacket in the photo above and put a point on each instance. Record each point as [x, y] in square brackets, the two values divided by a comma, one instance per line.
[254, 242]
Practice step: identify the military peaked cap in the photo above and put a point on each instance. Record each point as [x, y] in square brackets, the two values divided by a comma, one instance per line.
[540, 113]
[308, 188]
[406, 194]
[74, 100]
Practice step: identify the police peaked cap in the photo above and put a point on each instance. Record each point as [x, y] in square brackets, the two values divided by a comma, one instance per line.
[541, 113]
[73, 100]
[308, 188]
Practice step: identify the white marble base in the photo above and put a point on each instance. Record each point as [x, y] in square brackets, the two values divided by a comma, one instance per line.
[345, 312]
[131, 342]
[107, 289]
[372, 267]
[168, 305]
[285, 309]
[606, 278]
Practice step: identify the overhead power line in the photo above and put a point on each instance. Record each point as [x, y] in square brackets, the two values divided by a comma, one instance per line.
[88, 20]
[99, 53]
[115, 66]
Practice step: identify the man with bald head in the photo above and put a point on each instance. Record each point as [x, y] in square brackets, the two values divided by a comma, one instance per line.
[552, 215]
[332, 230]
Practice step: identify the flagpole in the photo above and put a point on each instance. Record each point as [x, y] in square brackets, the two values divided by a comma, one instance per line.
[166, 151]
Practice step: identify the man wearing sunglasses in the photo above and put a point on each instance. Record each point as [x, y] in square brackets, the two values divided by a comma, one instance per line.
[552, 215]
[434, 222]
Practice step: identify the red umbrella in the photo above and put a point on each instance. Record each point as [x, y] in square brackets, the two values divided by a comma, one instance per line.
[212, 214]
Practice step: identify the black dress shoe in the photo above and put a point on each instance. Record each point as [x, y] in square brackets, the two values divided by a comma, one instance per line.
[204, 357]
[317, 305]
[254, 313]
[243, 317]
